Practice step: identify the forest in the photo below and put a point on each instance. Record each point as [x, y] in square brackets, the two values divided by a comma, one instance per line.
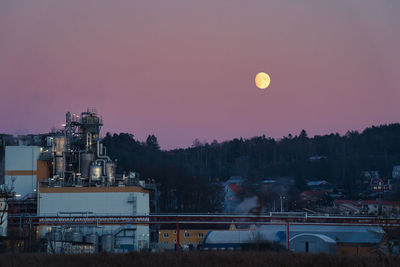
[189, 179]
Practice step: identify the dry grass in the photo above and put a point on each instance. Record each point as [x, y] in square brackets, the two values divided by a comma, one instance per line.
[197, 259]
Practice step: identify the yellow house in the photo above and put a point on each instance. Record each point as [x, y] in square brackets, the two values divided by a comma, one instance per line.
[187, 238]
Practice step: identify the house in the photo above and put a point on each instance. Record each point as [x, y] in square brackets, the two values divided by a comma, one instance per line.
[191, 236]
[396, 172]
[188, 238]
[232, 197]
[231, 193]
[367, 207]
[378, 185]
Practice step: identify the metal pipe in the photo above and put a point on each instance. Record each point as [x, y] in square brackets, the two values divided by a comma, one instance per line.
[79, 161]
[98, 148]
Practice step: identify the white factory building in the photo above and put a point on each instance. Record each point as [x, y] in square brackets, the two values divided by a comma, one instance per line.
[96, 201]
[72, 176]
[21, 169]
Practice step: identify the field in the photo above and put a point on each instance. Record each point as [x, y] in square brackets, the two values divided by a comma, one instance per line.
[194, 259]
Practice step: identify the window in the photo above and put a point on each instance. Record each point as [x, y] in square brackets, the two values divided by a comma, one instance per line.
[175, 232]
[186, 235]
[165, 235]
[200, 235]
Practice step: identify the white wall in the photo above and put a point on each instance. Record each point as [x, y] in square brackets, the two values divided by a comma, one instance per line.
[100, 203]
[21, 158]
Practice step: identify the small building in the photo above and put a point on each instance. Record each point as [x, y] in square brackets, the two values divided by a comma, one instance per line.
[396, 172]
[313, 243]
[188, 238]
[232, 190]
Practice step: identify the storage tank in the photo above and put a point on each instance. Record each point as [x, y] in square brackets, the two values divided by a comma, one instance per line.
[59, 145]
[59, 165]
[86, 162]
[95, 173]
[110, 171]
[76, 237]
[236, 239]
[68, 236]
[55, 235]
[93, 239]
[107, 243]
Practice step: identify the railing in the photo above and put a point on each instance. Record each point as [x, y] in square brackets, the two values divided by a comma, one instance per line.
[245, 219]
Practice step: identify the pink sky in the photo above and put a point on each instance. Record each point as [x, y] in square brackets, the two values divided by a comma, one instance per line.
[185, 69]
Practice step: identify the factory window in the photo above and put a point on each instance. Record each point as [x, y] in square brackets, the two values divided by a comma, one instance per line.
[187, 235]
[306, 246]
[165, 235]
[200, 235]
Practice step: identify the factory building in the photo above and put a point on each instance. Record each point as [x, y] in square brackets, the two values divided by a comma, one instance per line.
[70, 175]
[77, 178]
[21, 169]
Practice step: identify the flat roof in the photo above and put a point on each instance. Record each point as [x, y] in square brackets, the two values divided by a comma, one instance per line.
[92, 189]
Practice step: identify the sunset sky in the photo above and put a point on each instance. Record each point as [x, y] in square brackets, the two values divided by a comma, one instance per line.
[185, 69]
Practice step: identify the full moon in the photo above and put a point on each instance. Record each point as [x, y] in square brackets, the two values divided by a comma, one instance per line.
[262, 80]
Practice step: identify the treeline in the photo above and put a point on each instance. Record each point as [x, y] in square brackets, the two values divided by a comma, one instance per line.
[187, 176]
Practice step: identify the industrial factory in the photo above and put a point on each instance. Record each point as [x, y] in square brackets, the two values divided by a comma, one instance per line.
[70, 175]
[61, 193]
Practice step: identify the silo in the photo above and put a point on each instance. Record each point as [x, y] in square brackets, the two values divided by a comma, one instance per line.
[59, 165]
[93, 239]
[59, 145]
[55, 235]
[59, 149]
[95, 173]
[68, 236]
[86, 160]
[107, 243]
[110, 171]
[76, 236]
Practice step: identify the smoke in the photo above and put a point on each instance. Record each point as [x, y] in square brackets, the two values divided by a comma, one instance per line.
[247, 204]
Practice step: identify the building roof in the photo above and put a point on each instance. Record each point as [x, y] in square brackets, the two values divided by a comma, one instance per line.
[235, 188]
[322, 237]
[339, 233]
[317, 183]
[92, 189]
[313, 193]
